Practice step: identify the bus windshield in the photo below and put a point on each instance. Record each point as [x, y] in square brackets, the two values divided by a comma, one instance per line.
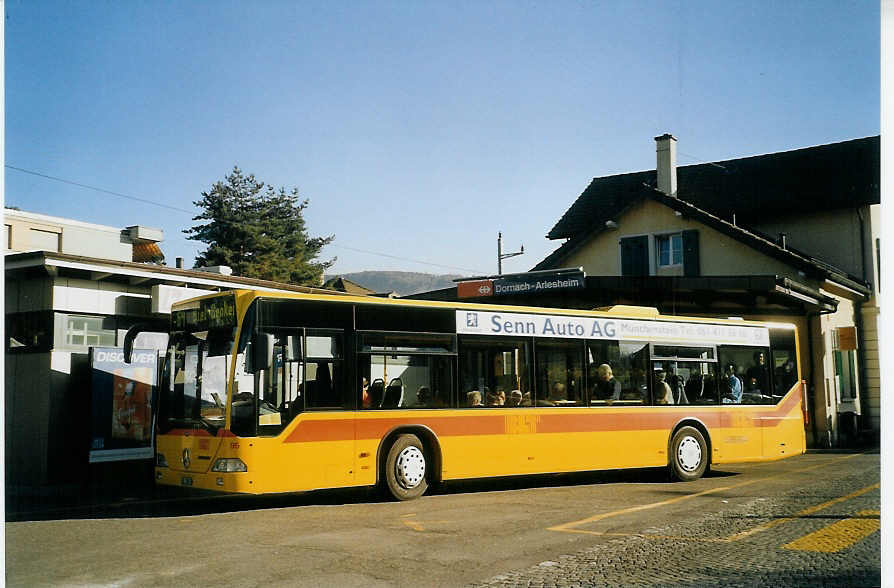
[195, 387]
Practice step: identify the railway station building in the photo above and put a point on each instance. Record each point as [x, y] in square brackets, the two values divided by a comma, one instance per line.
[791, 236]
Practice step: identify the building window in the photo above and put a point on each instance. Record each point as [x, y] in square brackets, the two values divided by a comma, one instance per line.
[7, 236]
[845, 373]
[669, 249]
[29, 331]
[844, 344]
[78, 332]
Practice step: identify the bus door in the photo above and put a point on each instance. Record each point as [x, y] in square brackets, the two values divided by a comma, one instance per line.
[324, 427]
[303, 440]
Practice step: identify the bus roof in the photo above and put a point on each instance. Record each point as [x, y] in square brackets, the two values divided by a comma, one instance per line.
[616, 311]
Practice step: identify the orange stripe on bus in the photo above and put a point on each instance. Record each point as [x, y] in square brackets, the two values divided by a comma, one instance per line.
[188, 433]
[548, 421]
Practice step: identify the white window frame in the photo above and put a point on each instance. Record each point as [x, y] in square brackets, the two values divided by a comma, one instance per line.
[670, 240]
[92, 337]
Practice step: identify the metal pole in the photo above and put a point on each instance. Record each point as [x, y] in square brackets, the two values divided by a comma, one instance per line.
[499, 253]
[501, 256]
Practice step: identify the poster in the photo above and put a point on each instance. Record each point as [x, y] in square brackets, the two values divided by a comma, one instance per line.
[121, 404]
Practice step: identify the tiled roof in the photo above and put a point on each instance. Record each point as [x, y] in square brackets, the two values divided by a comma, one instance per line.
[341, 284]
[146, 252]
[826, 177]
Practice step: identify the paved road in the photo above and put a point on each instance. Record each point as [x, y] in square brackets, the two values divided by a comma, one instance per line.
[806, 521]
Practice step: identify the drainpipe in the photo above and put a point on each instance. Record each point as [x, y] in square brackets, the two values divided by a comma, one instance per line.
[858, 320]
[811, 397]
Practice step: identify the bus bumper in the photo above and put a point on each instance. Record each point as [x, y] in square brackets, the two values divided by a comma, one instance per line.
[233, 482]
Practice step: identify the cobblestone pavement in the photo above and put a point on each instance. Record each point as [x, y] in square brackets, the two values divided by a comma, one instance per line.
[825, 535]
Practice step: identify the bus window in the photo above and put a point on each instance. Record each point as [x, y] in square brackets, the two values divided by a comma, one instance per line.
[684, 375]
[746, 375]
[785, 360]
[324, 371]
[616, 372]
[406, 370]
[495, 368]
[559, 369]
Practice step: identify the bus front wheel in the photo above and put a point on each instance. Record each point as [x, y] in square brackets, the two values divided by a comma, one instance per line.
[688, 455]
[406, 468]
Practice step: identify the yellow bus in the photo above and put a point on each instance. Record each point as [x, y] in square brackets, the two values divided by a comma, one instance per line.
[268, 392]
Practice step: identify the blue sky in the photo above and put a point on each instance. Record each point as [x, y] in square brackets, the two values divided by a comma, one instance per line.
[417, 130]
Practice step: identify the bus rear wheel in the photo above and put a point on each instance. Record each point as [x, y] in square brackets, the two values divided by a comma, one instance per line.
[688, 455]
[406, 468]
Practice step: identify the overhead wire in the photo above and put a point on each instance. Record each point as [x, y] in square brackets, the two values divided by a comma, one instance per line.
[192, 212]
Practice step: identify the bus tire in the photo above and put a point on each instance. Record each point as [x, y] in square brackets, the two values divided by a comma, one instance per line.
[406, 468]
[688, 455]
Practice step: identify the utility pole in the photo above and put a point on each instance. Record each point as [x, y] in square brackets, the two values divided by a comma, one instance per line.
[501, 256]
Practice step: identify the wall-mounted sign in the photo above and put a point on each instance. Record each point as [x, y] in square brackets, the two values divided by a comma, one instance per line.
[577, 327]
[536, 283]
[121, 404]
[847, 338]
[475, 289]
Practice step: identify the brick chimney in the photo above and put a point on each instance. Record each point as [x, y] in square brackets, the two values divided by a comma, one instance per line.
[666, 150]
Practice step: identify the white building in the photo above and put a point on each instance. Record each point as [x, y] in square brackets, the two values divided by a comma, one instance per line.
[71, 286]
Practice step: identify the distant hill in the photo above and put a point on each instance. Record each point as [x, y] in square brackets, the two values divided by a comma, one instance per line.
[402, 283]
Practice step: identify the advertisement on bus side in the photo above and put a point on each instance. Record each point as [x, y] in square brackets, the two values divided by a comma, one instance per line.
[579, 327]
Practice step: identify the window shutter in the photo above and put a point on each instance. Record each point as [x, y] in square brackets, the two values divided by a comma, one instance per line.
[635, 256]
[690, 254]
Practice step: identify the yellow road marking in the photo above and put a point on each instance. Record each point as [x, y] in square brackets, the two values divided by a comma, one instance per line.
[415, 525]
[839, 535]
[571, 527]
[803, 513]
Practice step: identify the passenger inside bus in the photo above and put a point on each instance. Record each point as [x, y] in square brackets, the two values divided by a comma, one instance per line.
[733, 392]
[497, 398]
[677, 386]
[663, 392]
[607, 388]
[515, 398]
[473, 398]
[785, 377]
[760, 373]
[365, 399]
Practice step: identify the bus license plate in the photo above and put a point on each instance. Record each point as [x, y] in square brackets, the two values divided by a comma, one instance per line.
[186, 481]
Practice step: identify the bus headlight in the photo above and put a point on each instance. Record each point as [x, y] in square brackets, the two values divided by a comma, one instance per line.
[229, 464]
[160, 460]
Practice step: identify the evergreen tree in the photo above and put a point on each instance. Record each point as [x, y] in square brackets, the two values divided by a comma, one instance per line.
[258, 231]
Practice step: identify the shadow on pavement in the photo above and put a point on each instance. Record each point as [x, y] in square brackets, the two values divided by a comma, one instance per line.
[176, 502]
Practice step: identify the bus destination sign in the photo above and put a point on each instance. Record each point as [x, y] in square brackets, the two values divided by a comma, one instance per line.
[205, 314]
[521, 284]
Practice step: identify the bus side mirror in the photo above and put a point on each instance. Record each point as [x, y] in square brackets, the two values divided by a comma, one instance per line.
[261, 352]
[131, 335]
[293, 348]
